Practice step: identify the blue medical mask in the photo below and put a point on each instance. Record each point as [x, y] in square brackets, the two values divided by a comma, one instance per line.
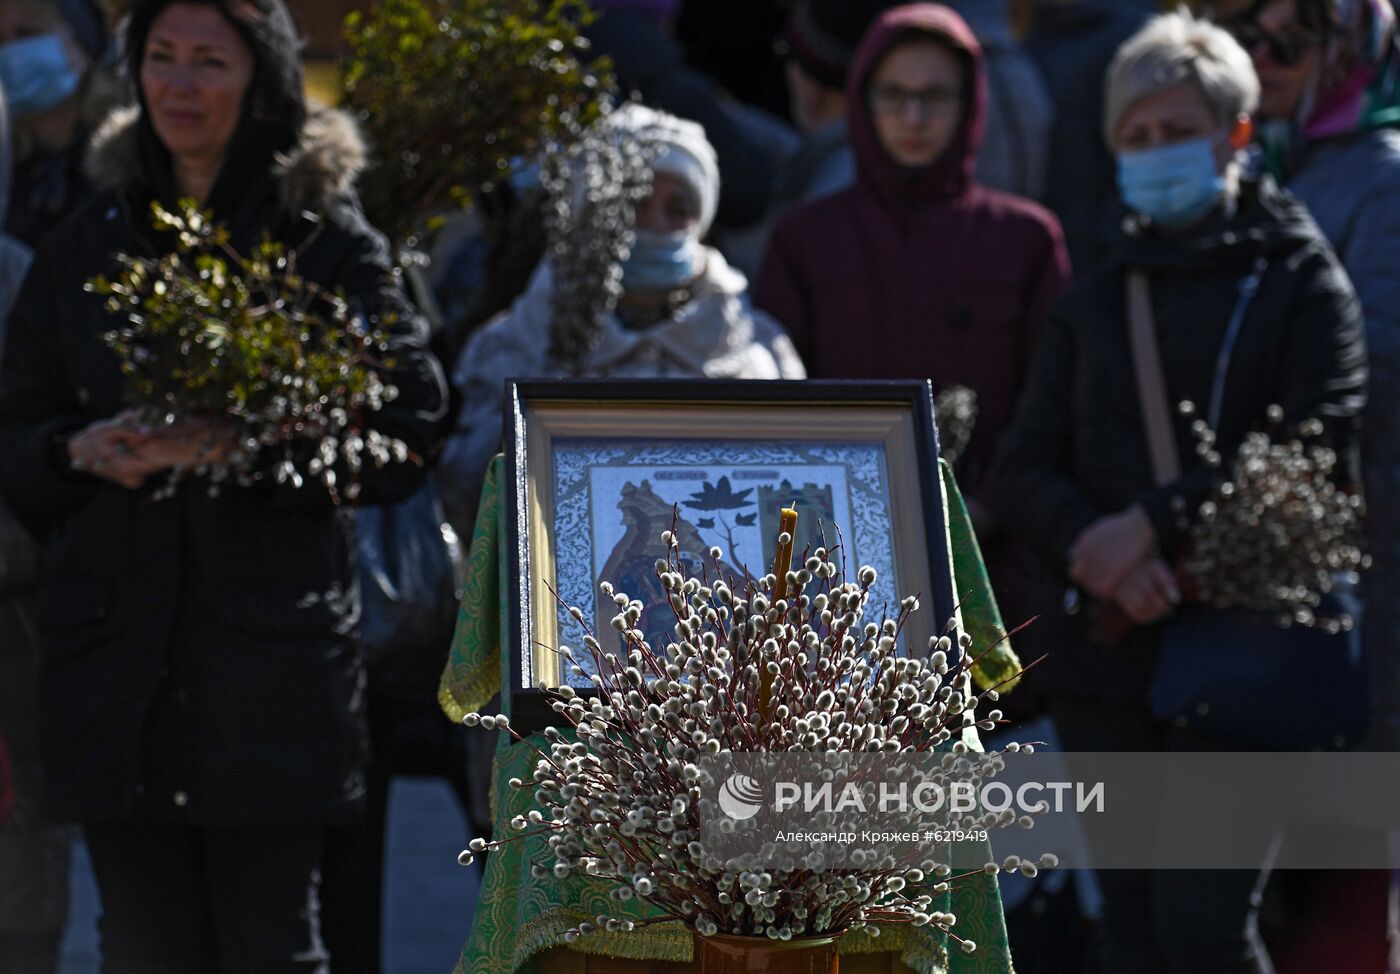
[660, 261]
[1175, 185]
[36, 74]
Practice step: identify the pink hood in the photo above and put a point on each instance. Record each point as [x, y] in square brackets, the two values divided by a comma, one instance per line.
[951, 174]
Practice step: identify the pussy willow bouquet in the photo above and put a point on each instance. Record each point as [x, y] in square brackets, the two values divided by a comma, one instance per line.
[593, 189]
[622, 798]
[450, 91]
[1277, 530]
[286, 368]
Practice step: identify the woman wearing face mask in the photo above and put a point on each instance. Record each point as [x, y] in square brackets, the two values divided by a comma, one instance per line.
[1330, 71]
[1251, 308]
[50, 55]
[201, 717]
[684, 312]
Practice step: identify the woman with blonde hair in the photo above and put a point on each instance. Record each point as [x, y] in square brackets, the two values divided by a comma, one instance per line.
[1252, 309]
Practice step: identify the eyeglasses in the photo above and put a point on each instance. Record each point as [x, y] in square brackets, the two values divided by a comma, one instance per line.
[893, 101]
[1285, 49]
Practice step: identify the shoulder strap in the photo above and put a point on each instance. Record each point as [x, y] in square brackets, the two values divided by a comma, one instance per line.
[1151, 381]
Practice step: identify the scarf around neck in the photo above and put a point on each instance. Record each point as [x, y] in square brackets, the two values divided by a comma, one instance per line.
[1356, 89]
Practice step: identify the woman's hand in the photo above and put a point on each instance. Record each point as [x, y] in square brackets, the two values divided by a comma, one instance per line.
[1107, 550]
[126, 452]
[112, 449]
[189, 443]
[1149, 592]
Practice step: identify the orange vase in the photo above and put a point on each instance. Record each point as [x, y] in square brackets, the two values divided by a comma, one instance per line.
[760, 955]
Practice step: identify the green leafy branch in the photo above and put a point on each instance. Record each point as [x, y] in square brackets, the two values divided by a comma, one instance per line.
[284, 364]
[450, 91]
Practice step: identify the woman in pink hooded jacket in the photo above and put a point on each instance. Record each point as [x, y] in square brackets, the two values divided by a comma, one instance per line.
[917, 271]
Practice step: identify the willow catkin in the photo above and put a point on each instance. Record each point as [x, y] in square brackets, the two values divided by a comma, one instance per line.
[1276, 531]
[623, 803]
[593, 189]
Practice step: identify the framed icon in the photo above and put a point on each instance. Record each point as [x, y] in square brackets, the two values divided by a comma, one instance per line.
[599, 469]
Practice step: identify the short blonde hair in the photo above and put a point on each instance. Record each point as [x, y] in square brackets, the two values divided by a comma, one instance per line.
[1176, 47]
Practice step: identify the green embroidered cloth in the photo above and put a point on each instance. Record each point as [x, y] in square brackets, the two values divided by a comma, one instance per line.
[518, 916]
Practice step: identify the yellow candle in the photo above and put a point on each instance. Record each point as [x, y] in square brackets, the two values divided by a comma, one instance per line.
[782, 562]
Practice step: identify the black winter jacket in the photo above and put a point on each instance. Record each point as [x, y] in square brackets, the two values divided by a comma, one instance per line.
[1077, 448]
[187, 670]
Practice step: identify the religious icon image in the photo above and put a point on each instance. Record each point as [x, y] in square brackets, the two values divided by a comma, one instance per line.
[612, 503]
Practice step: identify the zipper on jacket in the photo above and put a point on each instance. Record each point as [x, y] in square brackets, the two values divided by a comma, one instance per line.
[1248, 287]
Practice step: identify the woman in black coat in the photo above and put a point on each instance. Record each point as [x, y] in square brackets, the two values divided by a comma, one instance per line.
[201, 690]
[1075, 478]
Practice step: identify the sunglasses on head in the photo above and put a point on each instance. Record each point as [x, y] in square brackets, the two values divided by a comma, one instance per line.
[1285, 49]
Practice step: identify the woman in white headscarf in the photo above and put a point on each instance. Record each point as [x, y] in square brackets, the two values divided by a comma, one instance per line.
[1330, 113]
[683, 311]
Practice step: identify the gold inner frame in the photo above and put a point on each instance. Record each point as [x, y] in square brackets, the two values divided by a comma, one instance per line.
[889, 424]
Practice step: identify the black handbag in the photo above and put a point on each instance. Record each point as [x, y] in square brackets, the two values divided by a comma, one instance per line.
[410, 574]
[1234, 675]
[1240, 678]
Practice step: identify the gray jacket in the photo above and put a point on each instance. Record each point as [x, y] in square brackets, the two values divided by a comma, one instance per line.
[1072, 44]
[1352, 186]
[824, 164]
[1012, 157]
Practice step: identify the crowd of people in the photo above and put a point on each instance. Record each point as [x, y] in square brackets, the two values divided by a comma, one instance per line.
[1001, 197]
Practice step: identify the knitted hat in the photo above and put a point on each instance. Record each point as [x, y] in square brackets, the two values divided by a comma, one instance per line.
[683, 151]
[823, 35]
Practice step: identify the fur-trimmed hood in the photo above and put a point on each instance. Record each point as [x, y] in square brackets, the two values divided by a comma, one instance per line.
[319, 170]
